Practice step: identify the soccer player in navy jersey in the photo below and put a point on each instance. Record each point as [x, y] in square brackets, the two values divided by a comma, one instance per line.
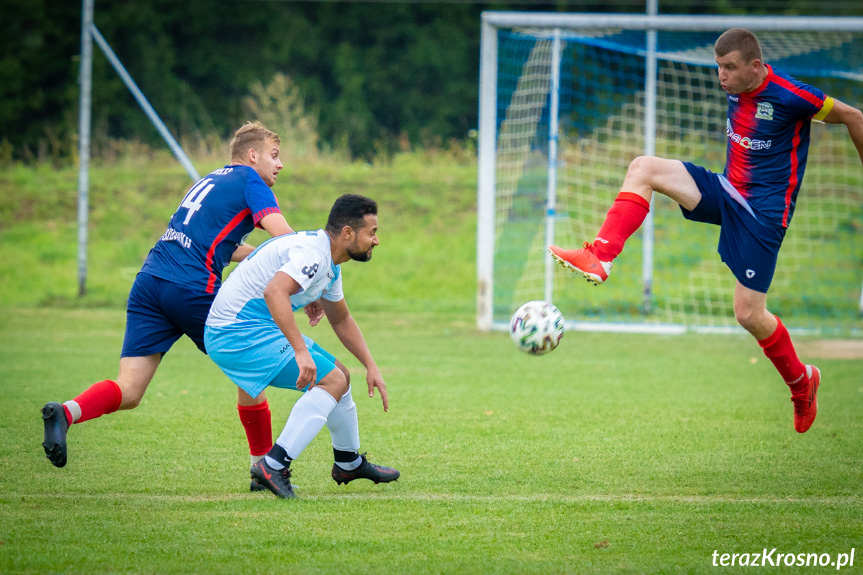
[172, 294]
[769, 115]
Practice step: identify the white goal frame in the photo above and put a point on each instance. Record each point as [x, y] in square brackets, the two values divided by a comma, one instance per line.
[554, 23]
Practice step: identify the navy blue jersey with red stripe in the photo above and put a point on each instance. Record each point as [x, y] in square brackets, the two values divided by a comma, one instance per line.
[214, 218]
[768, 142]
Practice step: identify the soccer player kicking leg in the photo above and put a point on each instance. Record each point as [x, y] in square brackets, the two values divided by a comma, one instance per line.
[97, 400]
[767, 122]
[126, 392]
[747, 247]
[150, 333]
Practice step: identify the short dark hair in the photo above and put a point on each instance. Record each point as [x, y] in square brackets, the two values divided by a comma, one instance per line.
[739, 39]
[350, 210]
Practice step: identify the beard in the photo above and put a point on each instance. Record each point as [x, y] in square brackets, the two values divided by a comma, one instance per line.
[360, 256]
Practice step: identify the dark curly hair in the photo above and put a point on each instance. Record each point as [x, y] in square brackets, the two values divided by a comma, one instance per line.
[350, 210]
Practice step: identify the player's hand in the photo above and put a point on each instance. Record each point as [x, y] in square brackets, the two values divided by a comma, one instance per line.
[374, 379]
[315, 312]
[308, 369]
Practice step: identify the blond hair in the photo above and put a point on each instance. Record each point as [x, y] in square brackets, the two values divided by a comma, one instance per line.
[742, 40]
[252, 135]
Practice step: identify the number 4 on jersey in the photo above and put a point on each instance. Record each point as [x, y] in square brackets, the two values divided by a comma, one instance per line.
[195, 196]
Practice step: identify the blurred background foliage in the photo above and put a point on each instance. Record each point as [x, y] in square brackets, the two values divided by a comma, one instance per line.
[359, 79]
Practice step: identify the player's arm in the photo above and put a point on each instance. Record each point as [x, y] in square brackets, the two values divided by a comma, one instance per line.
[349, 334]
[852, 118]
[278, 294]
[275, 224]
[242, 251]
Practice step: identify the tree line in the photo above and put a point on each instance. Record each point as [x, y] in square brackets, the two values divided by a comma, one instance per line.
[362, 78]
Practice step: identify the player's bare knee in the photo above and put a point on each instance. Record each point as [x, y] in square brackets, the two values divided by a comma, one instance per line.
[334, 383]
[130, 399]
[642, 175]
[641, 169]
[746, 316]
[247, 400]
[347, 375]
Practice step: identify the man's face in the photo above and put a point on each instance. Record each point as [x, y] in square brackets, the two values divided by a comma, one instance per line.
[365, 240]
[267, 162]
[737, 76]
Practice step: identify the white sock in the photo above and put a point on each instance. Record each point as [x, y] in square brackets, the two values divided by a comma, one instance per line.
[344, 426]
[256, 458]
[74, 409]
[272, 463]
[307, 418]
[352, 465]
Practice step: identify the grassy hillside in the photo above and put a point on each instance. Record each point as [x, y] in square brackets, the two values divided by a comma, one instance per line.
[427, 228]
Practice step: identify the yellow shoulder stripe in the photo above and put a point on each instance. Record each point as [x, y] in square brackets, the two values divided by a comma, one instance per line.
[825, 109]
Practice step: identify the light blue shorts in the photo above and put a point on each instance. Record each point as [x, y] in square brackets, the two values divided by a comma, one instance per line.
[255, 355]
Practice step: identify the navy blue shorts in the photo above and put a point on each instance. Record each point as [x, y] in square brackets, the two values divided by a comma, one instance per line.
[159, 312]
[748, 247]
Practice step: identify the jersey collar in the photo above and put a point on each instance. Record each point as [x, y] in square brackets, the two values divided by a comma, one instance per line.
[767, 79]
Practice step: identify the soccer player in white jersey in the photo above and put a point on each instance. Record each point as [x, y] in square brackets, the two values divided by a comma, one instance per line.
[252, 335]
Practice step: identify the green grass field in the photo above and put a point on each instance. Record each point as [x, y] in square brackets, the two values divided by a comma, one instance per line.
[615, 454]
[673, 448]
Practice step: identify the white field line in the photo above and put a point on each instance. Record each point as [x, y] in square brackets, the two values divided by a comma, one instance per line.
[449, 498]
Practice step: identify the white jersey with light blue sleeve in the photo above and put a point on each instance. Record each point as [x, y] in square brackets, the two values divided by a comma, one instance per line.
[241, 335]
[305, 256]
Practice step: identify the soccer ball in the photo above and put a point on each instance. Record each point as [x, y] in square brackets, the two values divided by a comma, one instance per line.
[536, 327]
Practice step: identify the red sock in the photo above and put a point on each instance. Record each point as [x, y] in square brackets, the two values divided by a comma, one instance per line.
[68, 414]
[624, 217]
[257, 421]
[779, 349]
[97, 400]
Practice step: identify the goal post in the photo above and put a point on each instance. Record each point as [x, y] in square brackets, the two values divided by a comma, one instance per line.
[89, 33]
[568, 100]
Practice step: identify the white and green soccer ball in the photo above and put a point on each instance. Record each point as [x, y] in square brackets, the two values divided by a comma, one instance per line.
[536, 327]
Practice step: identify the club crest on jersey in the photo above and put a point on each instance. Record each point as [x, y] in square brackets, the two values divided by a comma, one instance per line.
[764, 111]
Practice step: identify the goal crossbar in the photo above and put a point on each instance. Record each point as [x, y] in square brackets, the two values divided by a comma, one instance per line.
[672, 22]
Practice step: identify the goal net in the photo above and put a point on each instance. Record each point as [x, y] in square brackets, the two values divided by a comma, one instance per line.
[568, 101]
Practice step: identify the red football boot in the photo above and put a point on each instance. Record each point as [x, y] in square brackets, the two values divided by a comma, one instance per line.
[806, 403]
[583, 261]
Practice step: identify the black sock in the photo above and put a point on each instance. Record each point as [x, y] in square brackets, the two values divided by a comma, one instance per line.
[278, 453]
[345, 458]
